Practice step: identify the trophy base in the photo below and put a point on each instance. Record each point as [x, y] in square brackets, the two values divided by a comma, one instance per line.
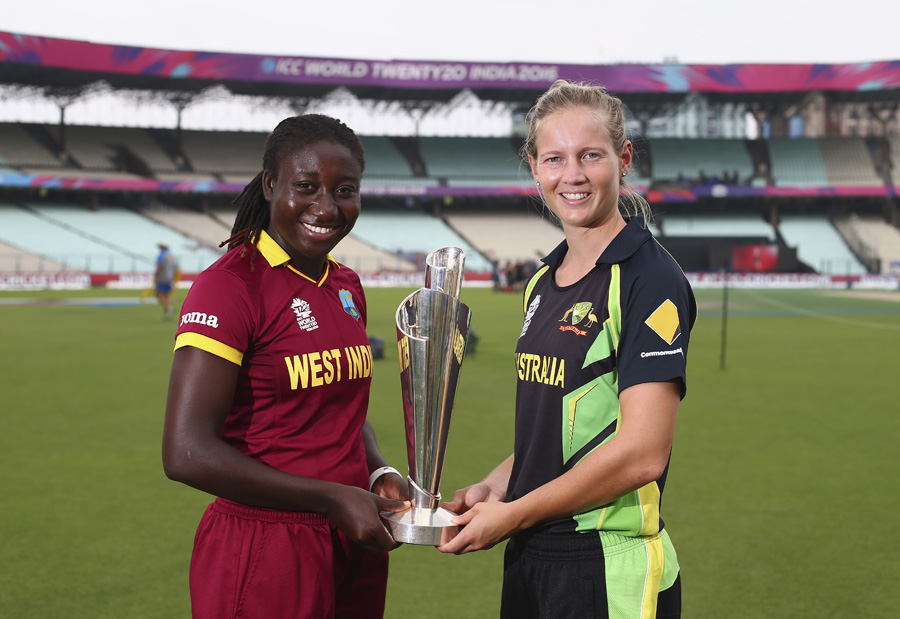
[421, 526]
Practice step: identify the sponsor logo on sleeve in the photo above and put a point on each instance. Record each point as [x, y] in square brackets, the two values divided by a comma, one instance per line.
[664, 322]
[200, 318]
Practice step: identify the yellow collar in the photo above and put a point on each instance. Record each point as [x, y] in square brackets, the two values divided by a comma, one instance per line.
[276, 257]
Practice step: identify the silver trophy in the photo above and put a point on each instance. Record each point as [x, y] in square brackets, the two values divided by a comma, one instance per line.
[432, 331]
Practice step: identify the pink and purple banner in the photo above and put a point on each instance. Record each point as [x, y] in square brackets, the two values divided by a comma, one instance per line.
[624, 78]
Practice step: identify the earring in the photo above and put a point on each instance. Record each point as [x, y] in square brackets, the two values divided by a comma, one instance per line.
[624, 172]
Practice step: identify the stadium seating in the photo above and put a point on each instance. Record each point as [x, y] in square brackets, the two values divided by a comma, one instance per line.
[819, 245]
[19, 149]
[677, 158]
[874, 236]
[717, 225]
[848, 162]
[894, 149]
[363, 258]
[412, 234]
[28, 230]
[16, 260]
[95, 148]
[524, 236]
[105, 240]
[203, 227]
[383, 161]
[224, 152]
[797, 163]
[460, 159]
[235, 157]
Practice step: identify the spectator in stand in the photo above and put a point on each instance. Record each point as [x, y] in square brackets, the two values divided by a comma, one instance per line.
[268, 395]
[165, 278]
[601, 373]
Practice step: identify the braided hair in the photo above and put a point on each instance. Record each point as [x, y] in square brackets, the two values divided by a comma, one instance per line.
[290, 135]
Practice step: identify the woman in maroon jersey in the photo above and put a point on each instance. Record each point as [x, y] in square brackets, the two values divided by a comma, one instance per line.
[268, 394]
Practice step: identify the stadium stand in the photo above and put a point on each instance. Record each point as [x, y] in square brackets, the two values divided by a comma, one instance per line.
[460, 160]
[413, 235]
[116, 149]
[224, 153]
[16, 260]
[894, 150]
[363, 258]
[28, 230]
[108, 239]
[819, 244]
[204, 228]
[678, 158]
[383, 161]
[717, 225]
[77, 196]
[871, 236]
[21, 150]
[524, 237]
[797, 163]
[848, 162]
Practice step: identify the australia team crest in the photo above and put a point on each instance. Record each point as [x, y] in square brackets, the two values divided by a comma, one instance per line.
[349, 305]
[576, 314]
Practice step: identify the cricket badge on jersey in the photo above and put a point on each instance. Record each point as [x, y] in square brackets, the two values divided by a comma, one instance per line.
[305, 319]
[349, 305]
[576, 314]
[664, 322]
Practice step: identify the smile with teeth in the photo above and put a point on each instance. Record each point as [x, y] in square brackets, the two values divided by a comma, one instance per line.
[319, 229]
[575, 196]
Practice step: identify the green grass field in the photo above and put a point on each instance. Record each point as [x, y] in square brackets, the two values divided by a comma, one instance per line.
[781, 499]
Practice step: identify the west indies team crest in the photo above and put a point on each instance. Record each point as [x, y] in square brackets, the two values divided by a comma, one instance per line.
[576, 314]
[349, 305]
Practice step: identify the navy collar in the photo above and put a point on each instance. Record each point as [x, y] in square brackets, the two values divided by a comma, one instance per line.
[620, 249]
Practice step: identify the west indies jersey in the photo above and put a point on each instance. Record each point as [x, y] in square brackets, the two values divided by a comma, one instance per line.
[626, 322]
[304, 357]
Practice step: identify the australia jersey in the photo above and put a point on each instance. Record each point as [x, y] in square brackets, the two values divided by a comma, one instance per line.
[626, 322]
[304, 357]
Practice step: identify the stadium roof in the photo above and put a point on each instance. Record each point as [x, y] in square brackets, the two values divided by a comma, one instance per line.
[63, 63]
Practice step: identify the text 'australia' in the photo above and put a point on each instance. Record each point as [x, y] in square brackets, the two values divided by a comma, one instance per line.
[541, 369]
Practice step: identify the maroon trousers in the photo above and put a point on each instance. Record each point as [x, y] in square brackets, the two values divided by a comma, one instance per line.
[250, 562]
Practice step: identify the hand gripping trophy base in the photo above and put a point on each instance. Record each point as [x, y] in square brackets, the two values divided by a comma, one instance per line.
[421, 526]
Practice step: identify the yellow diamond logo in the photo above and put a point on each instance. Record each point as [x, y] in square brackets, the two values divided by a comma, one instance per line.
[664, 322]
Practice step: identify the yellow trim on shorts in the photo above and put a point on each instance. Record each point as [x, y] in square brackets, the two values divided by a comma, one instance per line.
[209, 345]
[634, 573]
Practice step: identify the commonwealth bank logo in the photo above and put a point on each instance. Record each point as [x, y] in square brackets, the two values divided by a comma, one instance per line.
[664, 322]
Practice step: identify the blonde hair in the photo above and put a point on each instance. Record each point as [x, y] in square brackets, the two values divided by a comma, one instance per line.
[563, 95]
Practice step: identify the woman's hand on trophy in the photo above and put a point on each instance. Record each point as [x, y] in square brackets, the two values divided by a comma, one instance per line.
[466, 498]
[391, 486]
[483, 526]
[357, 513]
